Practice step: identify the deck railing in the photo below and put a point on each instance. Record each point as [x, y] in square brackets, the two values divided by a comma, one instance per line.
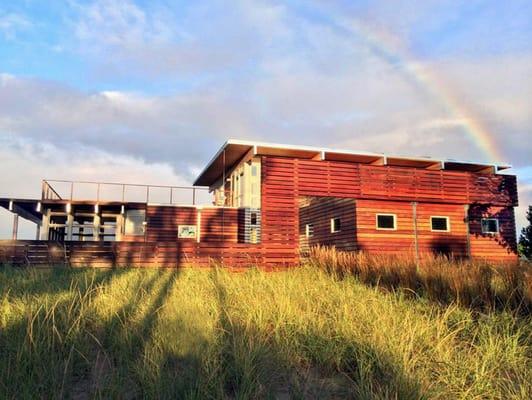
[54, 189]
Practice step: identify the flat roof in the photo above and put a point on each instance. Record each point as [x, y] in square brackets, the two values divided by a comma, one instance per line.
[233, 150]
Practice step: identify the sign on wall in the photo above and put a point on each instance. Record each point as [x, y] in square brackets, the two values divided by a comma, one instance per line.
[186, 231]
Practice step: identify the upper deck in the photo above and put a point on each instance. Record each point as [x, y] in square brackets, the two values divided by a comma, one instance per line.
[64, 191]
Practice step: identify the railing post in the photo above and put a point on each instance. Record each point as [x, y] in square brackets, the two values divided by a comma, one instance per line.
[147, 194]
[98, 192]
[123, 192]
[193, 196]
[71, 190]
[171, 193]
[15, 227]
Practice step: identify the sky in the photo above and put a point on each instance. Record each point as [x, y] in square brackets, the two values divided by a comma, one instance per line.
[147, 91]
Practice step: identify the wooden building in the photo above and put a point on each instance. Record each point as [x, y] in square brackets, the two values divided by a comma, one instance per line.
[266, 204]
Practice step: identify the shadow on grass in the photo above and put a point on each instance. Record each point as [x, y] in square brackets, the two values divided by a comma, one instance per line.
[41, 346]
[107, 359]
[50, 281]
[254, 363]
[123, 339]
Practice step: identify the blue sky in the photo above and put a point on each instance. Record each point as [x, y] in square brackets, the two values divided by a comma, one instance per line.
[154, 87]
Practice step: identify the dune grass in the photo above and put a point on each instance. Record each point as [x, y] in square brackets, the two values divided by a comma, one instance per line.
[471, 283]
[199, 334]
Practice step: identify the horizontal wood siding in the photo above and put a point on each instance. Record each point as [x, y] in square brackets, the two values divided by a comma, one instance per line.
[219, 225]
[372, 240]
[32, 252]
[319, 211]
[162, 222]
[279, 211]
[343, 179]
[380, 189]
[499, 246]
[128, 254]
[449, 243]
[401, 183]
[326, 178]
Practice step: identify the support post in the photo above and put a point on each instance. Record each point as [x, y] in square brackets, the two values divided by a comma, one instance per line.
[70, 224]
[45, 224]
[198, 224]
[96, 229]
[119, 227]
[15, 226]
[416, 244]
[468, 237]
[38, 232]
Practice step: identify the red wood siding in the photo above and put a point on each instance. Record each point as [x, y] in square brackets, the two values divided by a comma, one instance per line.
[162, 222]
[343, 179]
[127, 254]
[501, 246]
[219, 225]
[453, 242]
[319, 211]
[372, 240]
[279, 235]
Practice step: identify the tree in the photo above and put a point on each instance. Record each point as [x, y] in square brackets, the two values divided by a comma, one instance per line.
[525, 241]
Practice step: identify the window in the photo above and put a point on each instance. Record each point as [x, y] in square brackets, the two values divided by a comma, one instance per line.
[439, 224]
[386, 221]
[336, 225]
[309, 230]
[490, 225]
[135, 221]
[253, 218]
[253, 235]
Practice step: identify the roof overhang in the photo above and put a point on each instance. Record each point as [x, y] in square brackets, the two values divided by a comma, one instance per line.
[26, 208]
[233, 151]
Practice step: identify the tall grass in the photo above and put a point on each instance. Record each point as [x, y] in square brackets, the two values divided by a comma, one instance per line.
[471, 283]
[200, 334]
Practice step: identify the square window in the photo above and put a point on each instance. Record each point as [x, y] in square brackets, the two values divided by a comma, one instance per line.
[135, 222]
[309, 230]
[386, 221]
[336, 225]
[439, 224]
[490, 225]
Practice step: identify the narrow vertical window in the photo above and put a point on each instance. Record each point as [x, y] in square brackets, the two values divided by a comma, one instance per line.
[336, 225]
[309, 230]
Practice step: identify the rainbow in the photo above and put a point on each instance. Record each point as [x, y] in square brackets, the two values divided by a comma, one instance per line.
[382, 46]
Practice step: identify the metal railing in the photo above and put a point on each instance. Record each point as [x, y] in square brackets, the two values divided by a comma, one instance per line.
[123, 192]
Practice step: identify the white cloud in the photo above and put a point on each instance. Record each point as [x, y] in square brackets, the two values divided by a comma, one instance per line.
[11, 24]
[260, 71]
[25, 163]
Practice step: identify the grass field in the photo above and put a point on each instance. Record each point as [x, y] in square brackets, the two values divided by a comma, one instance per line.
[302, 333]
